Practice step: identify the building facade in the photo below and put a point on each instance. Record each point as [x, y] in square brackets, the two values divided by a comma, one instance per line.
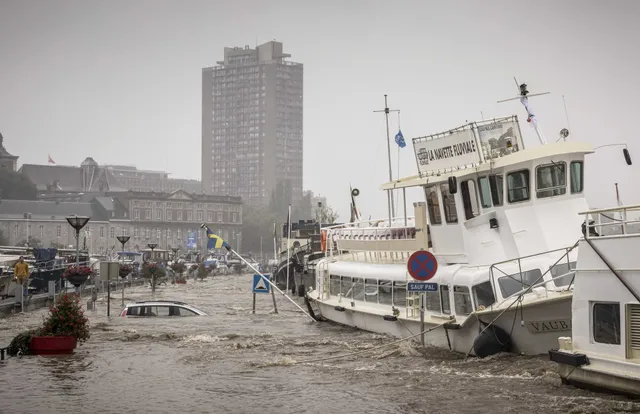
[147, 217]
[168, 219]
[252, 124]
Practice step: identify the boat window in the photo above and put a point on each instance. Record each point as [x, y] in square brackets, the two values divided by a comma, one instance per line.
[358, 288]
[496, 182]
[384, 292]
[485, 192]
[551, 180]
[400, 294]
[483, 295]
[446, 300]
[432, 301]
[606, 323]
[490, 189]
[462, 300]
[371, 290]
[133, 311]
[518, 186]
[433, 205]
[469, 199]
[448, 204]
[562, 269]
[511, 284]
[346, 287]
[334, 285]
[577, 177]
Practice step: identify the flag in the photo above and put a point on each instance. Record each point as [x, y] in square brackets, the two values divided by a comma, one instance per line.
[530, 116]
[215, 242]
[51, 161]
[400, 139]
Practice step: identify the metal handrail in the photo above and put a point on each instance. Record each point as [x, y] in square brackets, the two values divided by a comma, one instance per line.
[538, 282]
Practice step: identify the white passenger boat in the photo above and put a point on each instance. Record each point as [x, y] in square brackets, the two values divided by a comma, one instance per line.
[503, 224]
[603, 351]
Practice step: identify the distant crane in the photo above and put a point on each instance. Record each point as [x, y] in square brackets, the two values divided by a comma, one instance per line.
[524, 100]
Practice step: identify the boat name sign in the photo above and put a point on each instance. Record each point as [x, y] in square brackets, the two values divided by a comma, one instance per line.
[456, 150]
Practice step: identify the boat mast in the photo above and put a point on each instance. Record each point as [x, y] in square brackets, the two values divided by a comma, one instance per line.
[390, 201]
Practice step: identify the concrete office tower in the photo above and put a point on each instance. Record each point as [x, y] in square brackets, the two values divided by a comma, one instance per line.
[252, 124]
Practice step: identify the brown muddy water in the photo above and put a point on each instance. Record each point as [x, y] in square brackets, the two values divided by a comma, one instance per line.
[236, 362]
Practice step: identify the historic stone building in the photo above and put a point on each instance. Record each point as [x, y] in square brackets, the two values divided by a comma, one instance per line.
[167, 219]
[7, 161]
[44, 223]
[60, 181]
[147, 217]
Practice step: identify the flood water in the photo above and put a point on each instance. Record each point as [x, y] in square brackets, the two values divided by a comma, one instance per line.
[236, 362]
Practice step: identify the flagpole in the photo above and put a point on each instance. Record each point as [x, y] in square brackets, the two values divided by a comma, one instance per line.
[288, 245]
[269, 282]
[390, 201]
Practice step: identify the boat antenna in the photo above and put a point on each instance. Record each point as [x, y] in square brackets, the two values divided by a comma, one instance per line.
[524, 100]
[386, 111]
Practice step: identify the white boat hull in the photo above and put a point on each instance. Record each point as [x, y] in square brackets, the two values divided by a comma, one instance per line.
[519, 323]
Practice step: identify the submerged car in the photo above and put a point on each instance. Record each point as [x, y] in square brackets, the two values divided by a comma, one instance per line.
[160, 308]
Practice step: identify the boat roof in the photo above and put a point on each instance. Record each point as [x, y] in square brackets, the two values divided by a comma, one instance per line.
[529, 154]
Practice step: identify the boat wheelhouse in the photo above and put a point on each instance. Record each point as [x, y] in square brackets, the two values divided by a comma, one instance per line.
[604, 349]
[503, 225]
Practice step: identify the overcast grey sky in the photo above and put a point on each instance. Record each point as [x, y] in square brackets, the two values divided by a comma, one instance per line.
[121, 80]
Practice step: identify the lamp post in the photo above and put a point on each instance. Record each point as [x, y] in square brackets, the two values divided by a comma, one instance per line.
[175, 253]
[153, 272]
[78, 222]
[123, 240]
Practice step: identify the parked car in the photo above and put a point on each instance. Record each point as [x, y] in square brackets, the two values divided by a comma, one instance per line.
[160, 308]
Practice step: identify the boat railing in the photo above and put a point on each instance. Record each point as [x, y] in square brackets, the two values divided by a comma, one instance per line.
[519, 277]
[603, 222]
[377, 243]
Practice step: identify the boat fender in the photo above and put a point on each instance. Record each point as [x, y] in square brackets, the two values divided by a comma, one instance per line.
[339, 308]
[492, 341]
[390, 318]
[301, 291]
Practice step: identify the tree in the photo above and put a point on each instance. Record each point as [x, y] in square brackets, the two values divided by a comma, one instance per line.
[324, 214]
[257, 222]
[281, 197]
[16, 186]
[303, 211]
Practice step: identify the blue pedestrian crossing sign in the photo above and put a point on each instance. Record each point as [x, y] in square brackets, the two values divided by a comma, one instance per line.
[260, 285]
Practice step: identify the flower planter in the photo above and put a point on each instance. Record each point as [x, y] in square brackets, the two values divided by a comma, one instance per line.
[52, 345]
[124, 272]
[181, 282]
[77, 279]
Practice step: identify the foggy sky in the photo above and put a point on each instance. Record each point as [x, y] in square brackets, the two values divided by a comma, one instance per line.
[121, 80]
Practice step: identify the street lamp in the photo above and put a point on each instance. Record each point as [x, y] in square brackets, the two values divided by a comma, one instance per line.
[153, 273]
[123, 240]
[78, 222]
[152, 246]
